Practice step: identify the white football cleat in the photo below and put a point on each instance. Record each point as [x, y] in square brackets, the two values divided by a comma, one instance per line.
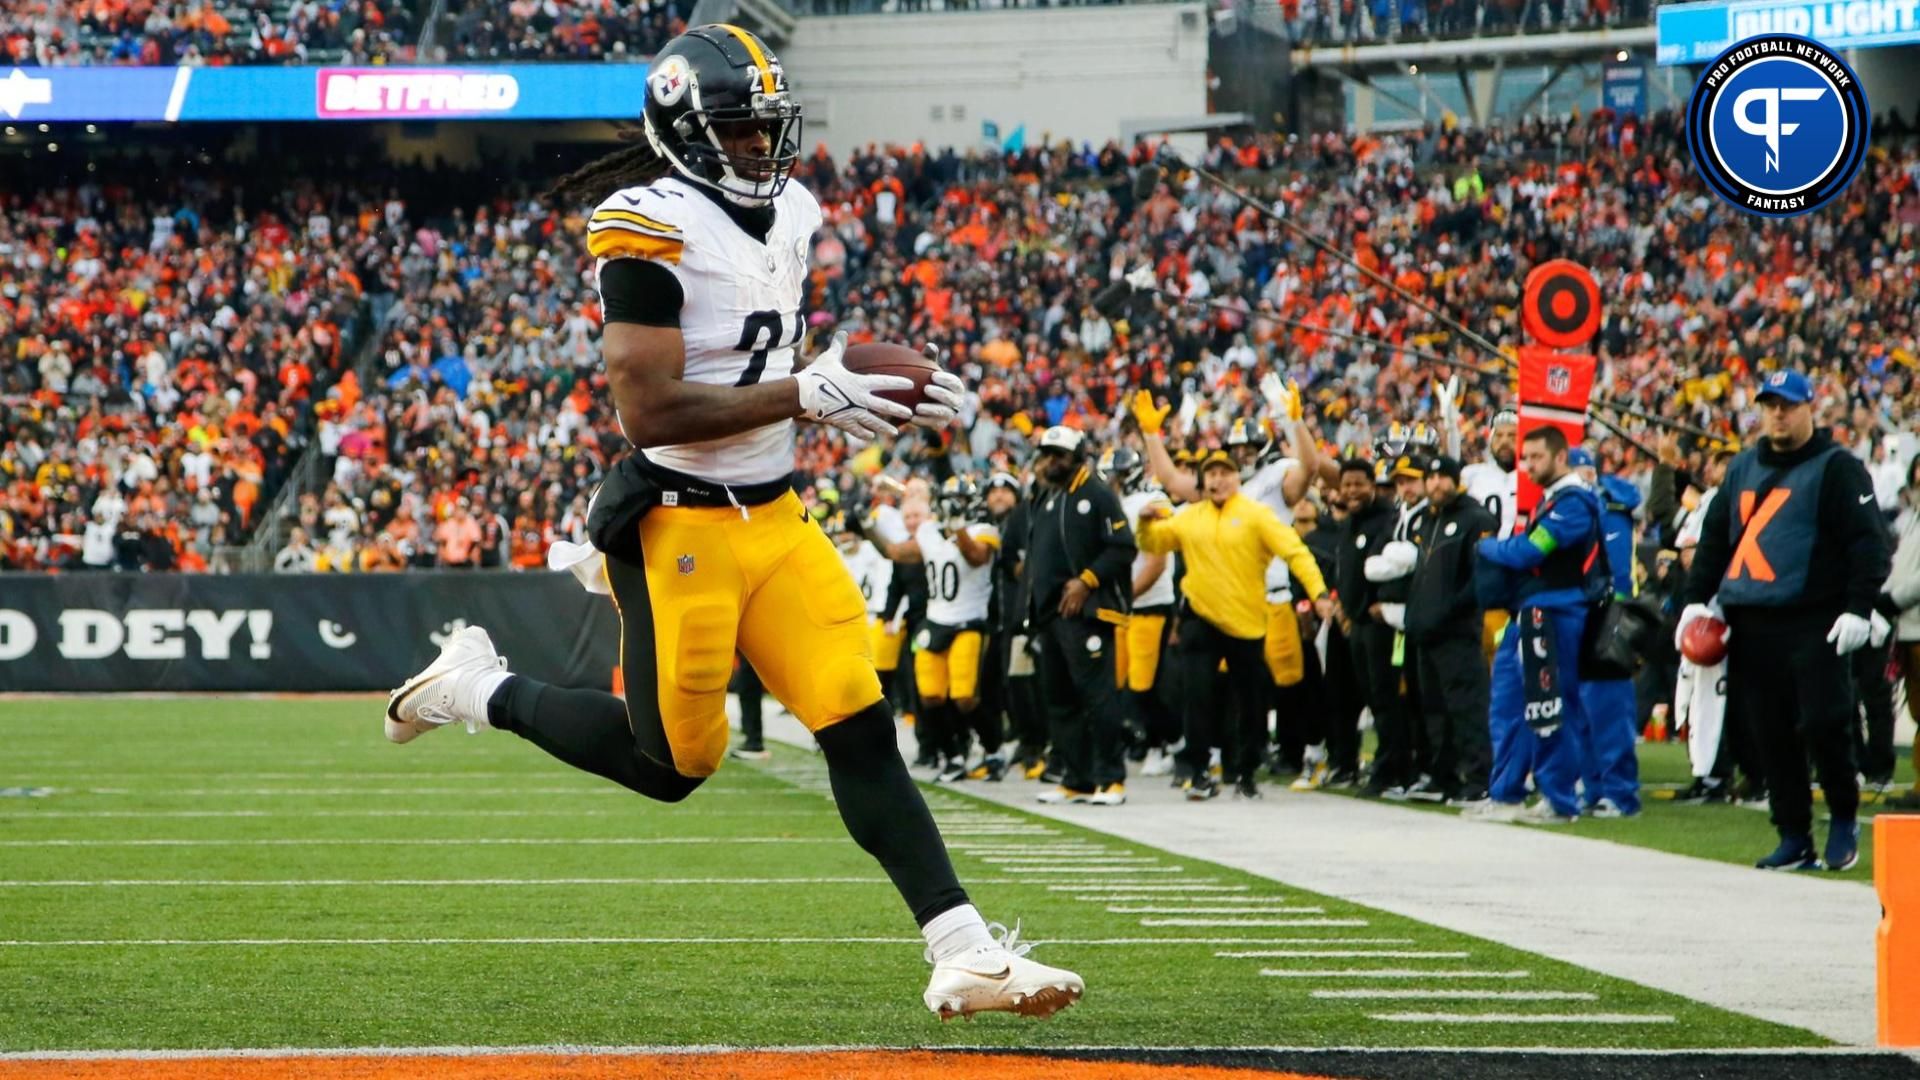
[1000, 978]
[442, 693]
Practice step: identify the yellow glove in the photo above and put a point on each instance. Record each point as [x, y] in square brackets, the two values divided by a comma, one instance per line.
[1151, 419]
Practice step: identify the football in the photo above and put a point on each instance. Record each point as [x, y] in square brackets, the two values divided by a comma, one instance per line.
[1704, 642]
[880, 358]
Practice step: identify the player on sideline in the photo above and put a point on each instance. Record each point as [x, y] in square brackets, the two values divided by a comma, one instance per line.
[701, 255]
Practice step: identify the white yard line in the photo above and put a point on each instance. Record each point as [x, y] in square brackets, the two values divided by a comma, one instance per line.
[367, 792]
[1354, 954]
[1521, 1018]
[1095, 869]
[333, 883]
[1156, 909]
[1191, 885]
[1429, 974]
[1453, 995]
[1251, 922]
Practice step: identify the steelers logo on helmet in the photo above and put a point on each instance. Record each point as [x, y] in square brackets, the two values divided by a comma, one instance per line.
[1778, 125]
[719, 111]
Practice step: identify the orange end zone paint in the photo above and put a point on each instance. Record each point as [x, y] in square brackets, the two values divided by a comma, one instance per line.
[744, 1065]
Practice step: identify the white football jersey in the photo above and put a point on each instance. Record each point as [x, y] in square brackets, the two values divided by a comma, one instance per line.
[1266, 488]
[741, 317]
[958, 592]
[1497, 489]
[1161, 591]
[873, 572]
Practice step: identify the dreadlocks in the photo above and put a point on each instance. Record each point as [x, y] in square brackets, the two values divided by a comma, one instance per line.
[629, 166]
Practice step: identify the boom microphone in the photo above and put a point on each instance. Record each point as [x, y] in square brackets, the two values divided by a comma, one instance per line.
[1112, 300]
[1145, 181]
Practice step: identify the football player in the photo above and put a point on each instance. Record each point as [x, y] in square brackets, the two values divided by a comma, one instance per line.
[1495, 482]
[956, 551]
[700, 247]
[1139, 645]
[873, 572]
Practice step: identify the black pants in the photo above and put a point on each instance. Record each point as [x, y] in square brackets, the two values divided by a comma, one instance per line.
[1301, 711]
[1344, 700]
[1873, 682]
[1372, 645]
[1454, 684]
[1026, 716]
[1230, 713]
[1083, 719]
[746, 683]
[1796, 698]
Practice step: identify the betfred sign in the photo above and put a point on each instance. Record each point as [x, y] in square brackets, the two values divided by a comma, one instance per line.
[401, 93]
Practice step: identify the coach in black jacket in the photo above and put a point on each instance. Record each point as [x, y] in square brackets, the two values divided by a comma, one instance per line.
[1368, 528]
[1079, 560]
[1443, 621]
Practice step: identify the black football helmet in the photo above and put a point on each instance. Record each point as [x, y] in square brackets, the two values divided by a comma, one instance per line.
[708, 82]
[960, 498]
[1249, 431]
[1121, 464]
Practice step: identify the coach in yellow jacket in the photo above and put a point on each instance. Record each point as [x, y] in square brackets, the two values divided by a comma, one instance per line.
[1226, 540]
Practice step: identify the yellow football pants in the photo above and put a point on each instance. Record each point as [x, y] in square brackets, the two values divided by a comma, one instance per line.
[886, 644]
[1139, 651]
[1285, 660]
[770, 585]
[1492, 625]
[951, 675]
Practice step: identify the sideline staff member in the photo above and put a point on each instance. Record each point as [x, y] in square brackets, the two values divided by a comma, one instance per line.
[1227, 541]
[1796, 552]
[1079, 558]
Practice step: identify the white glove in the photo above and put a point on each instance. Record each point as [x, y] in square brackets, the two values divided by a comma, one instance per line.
[1142, 278]
[830, 394]
[1881, 628]
[1189, 408]
[1395, 561]
[1849, 632]
[1394, 615]
[944, 395]
[1279, 399]
[1449, 395]
[1691, 612]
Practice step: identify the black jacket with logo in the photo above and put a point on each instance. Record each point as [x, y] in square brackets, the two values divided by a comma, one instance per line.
[1081, 532]
[1361, 535]
[1440, 600]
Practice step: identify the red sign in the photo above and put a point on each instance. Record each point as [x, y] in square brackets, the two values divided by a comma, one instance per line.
[1554, 387]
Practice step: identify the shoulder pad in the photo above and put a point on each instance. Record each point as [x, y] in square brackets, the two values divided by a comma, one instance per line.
[637, 223]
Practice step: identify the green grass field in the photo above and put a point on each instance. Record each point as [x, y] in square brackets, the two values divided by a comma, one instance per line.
[1721, 831]
[213, 873]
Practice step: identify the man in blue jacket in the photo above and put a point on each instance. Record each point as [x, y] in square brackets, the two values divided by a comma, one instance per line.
[1609, 770]
[1549, 576]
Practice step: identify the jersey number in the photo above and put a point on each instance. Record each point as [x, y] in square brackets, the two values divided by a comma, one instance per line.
[1493, 507]
[771, 324]
[943, 581]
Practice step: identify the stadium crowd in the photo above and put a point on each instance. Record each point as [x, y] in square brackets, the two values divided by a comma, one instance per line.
[197, 33]
[527, 30]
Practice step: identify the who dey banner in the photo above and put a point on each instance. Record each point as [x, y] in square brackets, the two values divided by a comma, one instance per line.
[501, 92]
[1697, 33]
[289, 632]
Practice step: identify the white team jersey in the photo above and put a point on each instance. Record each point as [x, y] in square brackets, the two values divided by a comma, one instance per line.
[1266, 488]
[872, 572]
[1496, 489]
[958, 592]
[1161, 591]
[741, 317]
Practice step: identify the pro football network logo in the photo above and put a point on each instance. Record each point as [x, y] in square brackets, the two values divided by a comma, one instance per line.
[1778, 125]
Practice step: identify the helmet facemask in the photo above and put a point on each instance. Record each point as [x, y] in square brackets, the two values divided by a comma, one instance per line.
[703, 157]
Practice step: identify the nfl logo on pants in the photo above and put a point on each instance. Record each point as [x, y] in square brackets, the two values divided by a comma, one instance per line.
[686, 564]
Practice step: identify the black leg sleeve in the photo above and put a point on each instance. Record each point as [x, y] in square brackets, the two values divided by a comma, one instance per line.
[885, 814]
[588, 730]
[1199, 659]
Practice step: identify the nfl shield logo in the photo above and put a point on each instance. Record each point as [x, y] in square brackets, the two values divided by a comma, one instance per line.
[686, 564]
[1559, 379]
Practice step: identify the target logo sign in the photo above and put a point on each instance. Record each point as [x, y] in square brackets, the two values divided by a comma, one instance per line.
[1561, 306]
